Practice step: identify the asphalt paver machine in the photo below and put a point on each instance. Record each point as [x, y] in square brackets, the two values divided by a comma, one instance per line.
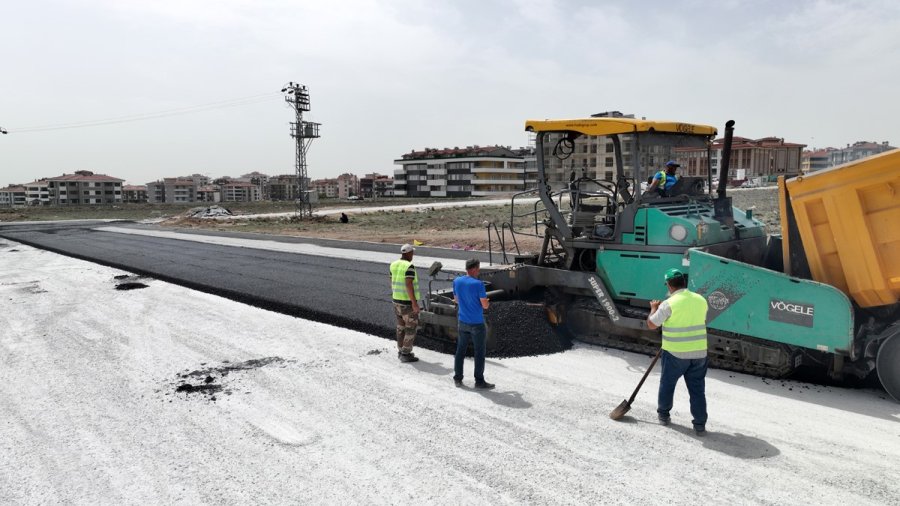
[823, 293]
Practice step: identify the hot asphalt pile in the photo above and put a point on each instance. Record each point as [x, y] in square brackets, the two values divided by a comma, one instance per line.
[521, 329]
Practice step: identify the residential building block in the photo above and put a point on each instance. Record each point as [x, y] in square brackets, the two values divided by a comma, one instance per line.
[463, 172]
[12, 196]
[84, 188]
[134, 194]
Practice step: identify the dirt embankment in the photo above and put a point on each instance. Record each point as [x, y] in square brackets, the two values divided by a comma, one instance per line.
[456, 228]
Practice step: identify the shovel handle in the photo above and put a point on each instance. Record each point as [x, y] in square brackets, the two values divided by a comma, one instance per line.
[647, 373]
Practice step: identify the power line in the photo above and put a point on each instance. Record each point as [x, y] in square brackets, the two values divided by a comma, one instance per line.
[234, 102]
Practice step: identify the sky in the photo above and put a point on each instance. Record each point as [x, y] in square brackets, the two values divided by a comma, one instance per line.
[386, 77]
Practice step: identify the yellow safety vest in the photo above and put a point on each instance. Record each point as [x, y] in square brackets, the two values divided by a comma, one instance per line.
[664, 180]
[398, 280]
[684, 332]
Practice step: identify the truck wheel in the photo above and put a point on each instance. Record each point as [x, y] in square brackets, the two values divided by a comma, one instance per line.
[888, 365]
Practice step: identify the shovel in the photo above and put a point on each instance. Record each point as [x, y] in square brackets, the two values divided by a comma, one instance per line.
[623, 408]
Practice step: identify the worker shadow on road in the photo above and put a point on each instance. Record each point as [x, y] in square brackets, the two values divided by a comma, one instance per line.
[736, 445]
[432, 368]
[508, 399]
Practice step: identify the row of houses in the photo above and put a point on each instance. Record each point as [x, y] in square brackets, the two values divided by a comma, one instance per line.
[470, 171]
[830, 157]
[495, 170]
[490, 170]
[196, 188]
[86, 188]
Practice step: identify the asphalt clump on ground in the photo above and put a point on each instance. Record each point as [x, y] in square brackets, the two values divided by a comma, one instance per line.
[130, 286]
[129, 281]
[203, 381]
[521, 329]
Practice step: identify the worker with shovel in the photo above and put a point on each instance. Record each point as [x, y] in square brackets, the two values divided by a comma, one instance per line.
[682, 317]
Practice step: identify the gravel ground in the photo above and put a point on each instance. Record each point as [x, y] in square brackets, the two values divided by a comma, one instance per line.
[320, 415]
[763, 202]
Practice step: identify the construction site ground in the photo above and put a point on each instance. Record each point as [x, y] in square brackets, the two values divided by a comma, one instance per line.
[123, 390]
[446, 227]
[454, 223]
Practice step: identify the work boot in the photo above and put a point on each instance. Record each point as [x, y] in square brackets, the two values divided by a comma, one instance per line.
[664, 420]
[458, 383]
[699, 430]
[484, 385]
[408, 357]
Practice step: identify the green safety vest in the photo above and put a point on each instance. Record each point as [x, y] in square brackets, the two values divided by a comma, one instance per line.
[684, 332]
[398, 280]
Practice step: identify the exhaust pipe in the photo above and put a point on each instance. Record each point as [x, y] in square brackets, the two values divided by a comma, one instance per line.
[726, 159]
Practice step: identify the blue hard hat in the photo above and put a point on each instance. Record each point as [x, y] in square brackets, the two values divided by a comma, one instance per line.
[671, 163]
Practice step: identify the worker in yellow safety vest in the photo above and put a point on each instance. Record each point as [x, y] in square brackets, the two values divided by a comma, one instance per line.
[664, 180]
[405, 295]
[682, 317]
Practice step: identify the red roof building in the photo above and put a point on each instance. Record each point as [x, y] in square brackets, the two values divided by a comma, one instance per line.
[84, 188]
[767, 157]
[12, 196]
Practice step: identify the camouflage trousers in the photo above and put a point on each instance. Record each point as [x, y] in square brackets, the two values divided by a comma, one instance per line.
[407, 322]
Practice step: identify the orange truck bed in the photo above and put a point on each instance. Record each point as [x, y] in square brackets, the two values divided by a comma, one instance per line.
[848, 218]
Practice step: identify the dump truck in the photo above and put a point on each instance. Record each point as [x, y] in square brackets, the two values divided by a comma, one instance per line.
[824, 292]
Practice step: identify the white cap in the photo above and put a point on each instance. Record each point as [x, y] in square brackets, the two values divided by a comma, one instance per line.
[407, 248]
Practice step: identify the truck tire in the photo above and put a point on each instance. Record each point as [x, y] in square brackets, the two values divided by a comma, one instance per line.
[887, 363]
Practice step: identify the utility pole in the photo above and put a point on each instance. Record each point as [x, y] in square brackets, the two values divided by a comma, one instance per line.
[303, 132]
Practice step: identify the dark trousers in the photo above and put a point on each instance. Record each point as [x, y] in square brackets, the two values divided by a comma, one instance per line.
[694, 372]
[476, 333]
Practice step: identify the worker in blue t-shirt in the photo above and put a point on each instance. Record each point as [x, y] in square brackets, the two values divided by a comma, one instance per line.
[663, 181]
[471, 298]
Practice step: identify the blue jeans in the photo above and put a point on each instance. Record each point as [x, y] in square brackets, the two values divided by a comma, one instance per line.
[694, 372]
[476, 333]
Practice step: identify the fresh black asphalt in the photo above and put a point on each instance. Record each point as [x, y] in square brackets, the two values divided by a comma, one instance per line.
[346, 293]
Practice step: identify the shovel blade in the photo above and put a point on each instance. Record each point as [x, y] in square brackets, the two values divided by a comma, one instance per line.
[620, 410]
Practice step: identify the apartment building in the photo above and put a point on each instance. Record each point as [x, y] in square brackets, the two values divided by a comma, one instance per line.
[347, 186]
[84, 188]
[327, 188]
[594, 156]
[174, 190]
[134, 194]
[202, 179]
[283, 187]
[767, 158]
[463, 172]
[37, 193]
[260, 180]
[209, 193]
[811, 161]
[376, 185]
[856, 151]
[13, 196]
[239, 191]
